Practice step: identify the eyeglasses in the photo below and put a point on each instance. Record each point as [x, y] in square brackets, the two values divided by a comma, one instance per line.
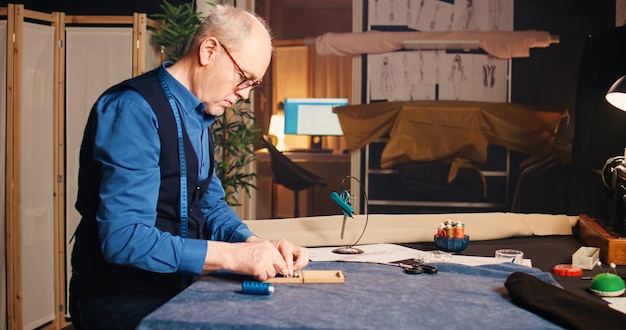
[246, 82]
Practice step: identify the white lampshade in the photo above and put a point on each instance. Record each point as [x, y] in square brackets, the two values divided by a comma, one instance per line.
[617, 94]
[277, 128]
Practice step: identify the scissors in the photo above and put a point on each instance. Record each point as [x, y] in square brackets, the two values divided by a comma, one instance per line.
[419, 269]
[415, 269]
[343, 200]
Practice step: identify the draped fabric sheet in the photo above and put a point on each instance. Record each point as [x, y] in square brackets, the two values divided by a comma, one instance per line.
[372, 297]
[408, 228]
[447, 130]
[500, 44]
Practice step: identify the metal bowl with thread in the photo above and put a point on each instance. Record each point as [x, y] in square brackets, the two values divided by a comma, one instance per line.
[450, 244]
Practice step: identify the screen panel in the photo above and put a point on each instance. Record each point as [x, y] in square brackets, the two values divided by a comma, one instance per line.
[36, 175]
[313, 116]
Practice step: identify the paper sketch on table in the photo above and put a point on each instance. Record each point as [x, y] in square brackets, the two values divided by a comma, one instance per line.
[386, 253]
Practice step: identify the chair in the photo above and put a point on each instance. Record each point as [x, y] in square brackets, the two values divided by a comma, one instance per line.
[290, 175]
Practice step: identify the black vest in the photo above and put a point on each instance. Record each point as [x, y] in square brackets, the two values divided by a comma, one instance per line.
[87, 258]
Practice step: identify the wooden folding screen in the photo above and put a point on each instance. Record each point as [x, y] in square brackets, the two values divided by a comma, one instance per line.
[32, 167]
[3, 108]
[56, 66]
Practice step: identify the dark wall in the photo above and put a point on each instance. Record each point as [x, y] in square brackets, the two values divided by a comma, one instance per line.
[549, 76]
[93, 7]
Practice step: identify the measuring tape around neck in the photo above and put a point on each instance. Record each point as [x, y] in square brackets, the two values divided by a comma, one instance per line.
[181, 157]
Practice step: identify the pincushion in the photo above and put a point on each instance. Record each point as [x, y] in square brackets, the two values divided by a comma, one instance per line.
[607, 285]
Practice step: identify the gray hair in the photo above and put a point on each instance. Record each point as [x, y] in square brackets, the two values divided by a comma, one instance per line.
[230, 25]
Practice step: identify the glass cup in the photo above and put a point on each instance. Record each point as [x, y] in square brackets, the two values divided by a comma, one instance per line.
[509, 255]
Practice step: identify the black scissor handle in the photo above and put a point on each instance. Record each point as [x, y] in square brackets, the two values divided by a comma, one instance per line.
[428, 269]
[419, 269]
[416, 269]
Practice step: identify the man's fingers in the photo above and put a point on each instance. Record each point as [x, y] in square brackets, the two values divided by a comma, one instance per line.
[302, 258]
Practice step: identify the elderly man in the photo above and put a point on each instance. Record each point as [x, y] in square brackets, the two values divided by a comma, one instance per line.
[153, 214]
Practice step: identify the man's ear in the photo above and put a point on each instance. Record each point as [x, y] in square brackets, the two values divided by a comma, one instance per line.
[207, 50]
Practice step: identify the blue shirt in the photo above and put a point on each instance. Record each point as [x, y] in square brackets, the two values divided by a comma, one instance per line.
[128, 146]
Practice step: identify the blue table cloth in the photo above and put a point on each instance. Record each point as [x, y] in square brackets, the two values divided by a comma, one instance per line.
[373, 296]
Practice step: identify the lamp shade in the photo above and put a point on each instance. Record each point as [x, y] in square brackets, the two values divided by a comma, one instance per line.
[617, 94]
[277, 128]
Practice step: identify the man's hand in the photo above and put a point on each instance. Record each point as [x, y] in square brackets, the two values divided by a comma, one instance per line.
[296, 257]
[260, 258]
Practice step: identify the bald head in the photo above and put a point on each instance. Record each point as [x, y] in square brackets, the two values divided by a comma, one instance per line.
[232, 26]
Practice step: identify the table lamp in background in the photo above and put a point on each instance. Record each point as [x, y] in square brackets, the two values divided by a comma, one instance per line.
[277, 128]
[614, 170]
[617, 94]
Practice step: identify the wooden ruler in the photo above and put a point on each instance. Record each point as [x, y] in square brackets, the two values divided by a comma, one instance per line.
[311, 276]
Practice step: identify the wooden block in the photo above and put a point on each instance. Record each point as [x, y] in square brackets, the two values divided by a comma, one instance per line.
[322, 276]
[612, 249]
[296, 279]
[311, 277]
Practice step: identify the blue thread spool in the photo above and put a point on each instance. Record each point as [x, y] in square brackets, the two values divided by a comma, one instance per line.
[258, 288]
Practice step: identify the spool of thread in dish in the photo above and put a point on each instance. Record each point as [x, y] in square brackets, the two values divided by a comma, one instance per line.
[258, 288]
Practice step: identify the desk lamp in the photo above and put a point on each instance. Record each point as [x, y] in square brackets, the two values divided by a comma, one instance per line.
[277, 128]
[616, 95]
[614, 170]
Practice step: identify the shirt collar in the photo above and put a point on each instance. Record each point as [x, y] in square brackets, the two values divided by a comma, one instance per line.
[186, 98]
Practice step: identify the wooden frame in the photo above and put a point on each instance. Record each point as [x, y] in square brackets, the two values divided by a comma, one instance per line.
[140, 24]
[16, 16]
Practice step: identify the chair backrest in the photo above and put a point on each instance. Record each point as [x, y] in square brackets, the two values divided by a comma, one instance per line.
[287, 173]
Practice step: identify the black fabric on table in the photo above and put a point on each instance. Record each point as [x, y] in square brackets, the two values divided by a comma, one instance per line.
[561, 306]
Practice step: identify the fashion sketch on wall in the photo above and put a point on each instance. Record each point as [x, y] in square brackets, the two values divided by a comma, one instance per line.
[436, 74]
[440, 15]
[444, 74]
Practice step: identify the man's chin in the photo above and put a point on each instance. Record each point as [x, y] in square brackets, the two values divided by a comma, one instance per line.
[215, 111]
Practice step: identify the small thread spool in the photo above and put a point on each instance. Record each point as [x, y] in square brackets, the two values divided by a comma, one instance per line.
[449, 231]
[459, 230]
[258, 288]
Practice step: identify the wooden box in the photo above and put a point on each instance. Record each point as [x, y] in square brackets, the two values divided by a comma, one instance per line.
[593, 233]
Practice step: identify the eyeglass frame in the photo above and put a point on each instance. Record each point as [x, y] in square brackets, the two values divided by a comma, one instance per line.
[247, 82]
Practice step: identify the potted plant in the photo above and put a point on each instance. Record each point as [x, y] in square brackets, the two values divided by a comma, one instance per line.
[235, 132]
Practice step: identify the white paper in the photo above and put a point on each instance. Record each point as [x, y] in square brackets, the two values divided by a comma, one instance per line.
[617, 303]
[375, 253]
[386, 253]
